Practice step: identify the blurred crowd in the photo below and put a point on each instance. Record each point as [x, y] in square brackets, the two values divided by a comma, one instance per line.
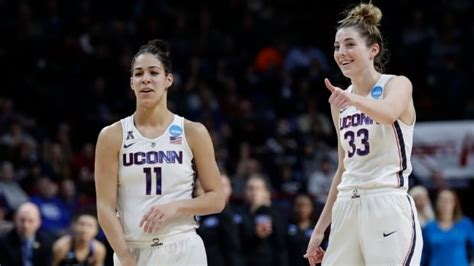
[251, 70]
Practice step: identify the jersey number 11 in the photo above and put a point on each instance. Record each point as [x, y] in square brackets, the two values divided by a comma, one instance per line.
[148, 176]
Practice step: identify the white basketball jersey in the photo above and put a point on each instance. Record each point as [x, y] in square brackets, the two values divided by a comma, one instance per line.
[375, 155]
[153, 172]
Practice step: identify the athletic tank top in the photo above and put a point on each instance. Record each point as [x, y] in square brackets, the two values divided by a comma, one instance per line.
[71, 259]
[153, 172]
[375, 155]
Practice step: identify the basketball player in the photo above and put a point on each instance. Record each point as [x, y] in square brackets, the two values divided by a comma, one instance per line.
[80, 248]
[373, 220]
[144, 173]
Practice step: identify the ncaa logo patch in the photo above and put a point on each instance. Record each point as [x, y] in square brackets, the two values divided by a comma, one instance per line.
[376, 92]
[176, 130]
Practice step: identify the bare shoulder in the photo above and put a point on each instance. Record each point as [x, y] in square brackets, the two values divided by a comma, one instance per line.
[111, 135]
[400, 82]
[112, 131]
[194, 127]
[195, 132]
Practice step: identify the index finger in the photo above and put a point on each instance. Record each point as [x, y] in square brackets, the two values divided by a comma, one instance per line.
[329, 85]
[145, 217]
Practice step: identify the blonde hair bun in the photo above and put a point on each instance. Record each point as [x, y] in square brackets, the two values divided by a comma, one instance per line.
[366, 13]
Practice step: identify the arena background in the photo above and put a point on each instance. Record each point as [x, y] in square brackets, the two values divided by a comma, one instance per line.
[251, 71]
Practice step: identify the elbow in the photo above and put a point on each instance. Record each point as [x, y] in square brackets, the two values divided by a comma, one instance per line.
[101, 220]
[220, 202]
[389, 119]
[102, 214]
[392, 118]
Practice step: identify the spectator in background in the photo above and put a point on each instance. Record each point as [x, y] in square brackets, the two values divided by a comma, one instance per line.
[34, 172]
[449, 237]
[302, 57]
[5, 225]
[68, 194]
[25, 245]
[80, 247]
[300, 229]
[15, 137]
[320, 180]
[422, 203]
[58, 160]
[263, 235]
[85, 185]
[246, 167]
[10, 190]
[220, 232]
[84, 159]
[56, 216]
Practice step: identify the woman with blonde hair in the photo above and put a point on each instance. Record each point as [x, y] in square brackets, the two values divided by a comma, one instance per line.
[422, 203]
[373, 219]
[448, 237]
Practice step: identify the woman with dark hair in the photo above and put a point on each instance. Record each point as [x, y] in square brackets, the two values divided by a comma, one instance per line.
[449, 237]
[300, 229]
[80, 248]
[145, 167]
[263, 229]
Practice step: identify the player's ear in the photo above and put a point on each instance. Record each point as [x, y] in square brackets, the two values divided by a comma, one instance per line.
[374, 50]
[131, 83]
[169, 80]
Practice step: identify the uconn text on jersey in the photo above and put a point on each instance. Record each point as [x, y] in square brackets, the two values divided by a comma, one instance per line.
[152, 157]
[355, 120]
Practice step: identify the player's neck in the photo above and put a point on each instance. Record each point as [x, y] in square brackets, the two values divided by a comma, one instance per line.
[153, 117]
[362, 84]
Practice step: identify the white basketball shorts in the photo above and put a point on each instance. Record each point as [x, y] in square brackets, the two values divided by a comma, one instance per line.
[374, 227]
[182, 249]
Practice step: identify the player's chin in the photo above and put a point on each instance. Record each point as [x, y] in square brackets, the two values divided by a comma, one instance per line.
[147, 102]
[347, 72]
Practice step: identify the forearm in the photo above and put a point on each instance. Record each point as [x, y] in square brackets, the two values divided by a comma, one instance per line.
[208, 203]
[113, 230]
[325, 218]
[379, 110]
